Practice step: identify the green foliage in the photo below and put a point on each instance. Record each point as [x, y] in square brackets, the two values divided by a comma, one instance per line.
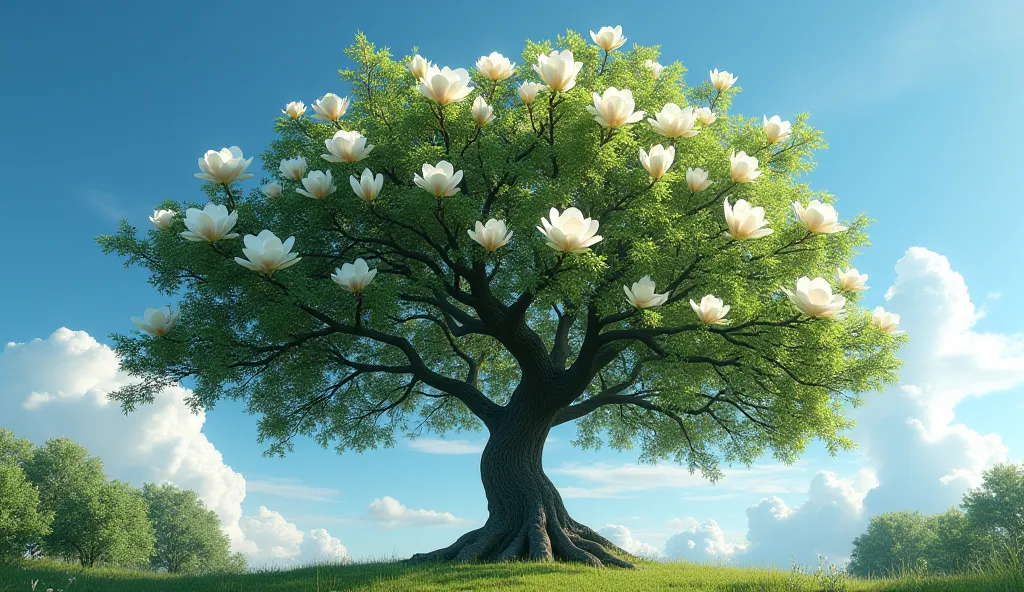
[14, 450]
[62, 468]
[20, 520]
[895, 542]
[997, 507]
[188, 535]
[447, 332]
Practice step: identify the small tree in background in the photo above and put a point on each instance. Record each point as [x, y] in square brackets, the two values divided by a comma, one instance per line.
[895, 542]
[21, 521]
[480, 261]
[188, 535]
[997, 507]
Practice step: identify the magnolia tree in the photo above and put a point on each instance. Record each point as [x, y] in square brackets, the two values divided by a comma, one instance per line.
[579, 239]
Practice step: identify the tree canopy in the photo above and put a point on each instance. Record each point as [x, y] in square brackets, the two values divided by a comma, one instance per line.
[188, 535]
[21, 521]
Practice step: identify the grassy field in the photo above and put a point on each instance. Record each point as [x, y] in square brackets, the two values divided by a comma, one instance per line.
[526, 577]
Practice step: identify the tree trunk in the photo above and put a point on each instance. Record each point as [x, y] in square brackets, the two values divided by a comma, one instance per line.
[527, 519]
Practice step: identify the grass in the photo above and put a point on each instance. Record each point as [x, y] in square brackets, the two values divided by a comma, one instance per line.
[525, 577]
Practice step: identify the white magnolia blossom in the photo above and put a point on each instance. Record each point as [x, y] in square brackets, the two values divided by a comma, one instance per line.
[675, 122]
[528, 92]
[161, 219]
[440, 181]
[419, 66]
[776, 129]
[294, 168]
[272, 190]
[615, 108]
[558, 70]
[156, 321]
[743, 168]
[608, 38]
[642, 295]
[330, 107]
[317, 185]
[482, 112]
[295, 109]
[495, 66]
[266, 253]
[347, 146]
[658, 161]
[815, 299]
[852, 280]
[210, 224]
[745, 222]
[706, 116]
[223, 166]
[367, 187]
[711, 310]
[569, 231]
[354, 277]
[722, 80]
[820, 218]
[445, 85]
[697, 180]
[886, 321]
[654, 68]
[491, 235]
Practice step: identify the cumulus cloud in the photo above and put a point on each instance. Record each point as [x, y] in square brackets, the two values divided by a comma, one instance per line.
[438, 446]
[390, 513]
[621, 536]
[58, 387]
[701, 543]
[281, 543]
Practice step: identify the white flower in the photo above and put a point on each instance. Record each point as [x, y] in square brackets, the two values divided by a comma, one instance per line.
[820, 218]
[852, 280]
[776, 129]
[354, 277]
[722, 80]
[445, 85]
[367, 187]
[418, 67]
[209, 224]
[743, 168]
[162, 218]
[642, 294]
[318, 185]
[440, 181]
[528, 92]
[266, 253]
[745, 222]
[156, 321]
[558, 70]
[886, 321]
[491, 235]
[272, 190]
[569, 231]
[295, 109]
[814, 298]
[347, 146]
[706, 116]
[675, 122]
[697, 180]
[654, 67]
[615, 108]
[482, 112]
[608, 38]
[294, 168]
[495, 66]
[711, 310]
[658, 161]
[330, 107]
[224, 166]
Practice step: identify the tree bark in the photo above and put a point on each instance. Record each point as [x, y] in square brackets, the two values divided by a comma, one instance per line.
[527, 519]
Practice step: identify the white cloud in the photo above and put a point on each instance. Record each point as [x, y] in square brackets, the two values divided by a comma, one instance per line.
[58, 387]
[292, 489]
[319, 546]
[282, 544]
[390, 513]
[621, 536]
[438, 446]
[702, 543]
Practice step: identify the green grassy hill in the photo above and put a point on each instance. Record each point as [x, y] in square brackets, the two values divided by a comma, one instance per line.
[533, 577]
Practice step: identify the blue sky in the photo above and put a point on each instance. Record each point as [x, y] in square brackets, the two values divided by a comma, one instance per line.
[110, 104]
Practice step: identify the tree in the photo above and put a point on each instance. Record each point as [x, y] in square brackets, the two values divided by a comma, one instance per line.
[894, 542]
[61, 468]
[188, 535]
[14, 450]
[20, 519]
[958, 545]
[997, 507]
[457, 331]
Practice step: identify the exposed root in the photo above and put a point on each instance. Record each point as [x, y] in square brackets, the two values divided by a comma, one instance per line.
[539, 541]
